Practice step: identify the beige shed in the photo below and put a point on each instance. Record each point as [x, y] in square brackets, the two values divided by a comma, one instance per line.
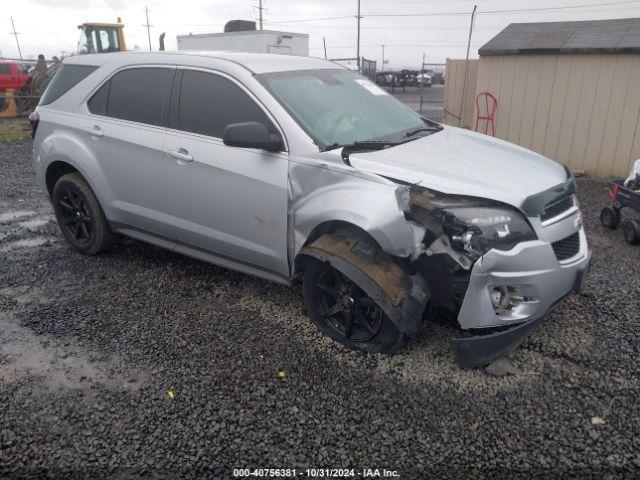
[568, 90]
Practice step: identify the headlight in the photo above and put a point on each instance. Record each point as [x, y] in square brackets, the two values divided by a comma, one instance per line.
[476, 230]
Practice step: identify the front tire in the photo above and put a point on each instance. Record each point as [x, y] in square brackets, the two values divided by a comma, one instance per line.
[80, 216]
[344, 312]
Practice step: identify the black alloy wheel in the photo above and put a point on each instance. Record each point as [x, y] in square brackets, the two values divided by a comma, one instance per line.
[345, 313]
[76, 216]
[80, 216]
[345, 307]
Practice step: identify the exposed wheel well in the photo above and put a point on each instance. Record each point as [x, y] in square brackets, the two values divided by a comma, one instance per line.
[335, 227]
[55, 171]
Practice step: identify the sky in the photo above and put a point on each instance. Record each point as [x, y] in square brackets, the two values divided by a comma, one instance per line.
[408, 28]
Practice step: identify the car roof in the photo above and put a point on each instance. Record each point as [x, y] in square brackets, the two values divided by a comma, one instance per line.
[254, 62]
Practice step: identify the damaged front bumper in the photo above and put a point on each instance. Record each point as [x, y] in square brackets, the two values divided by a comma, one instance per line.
[535, 293]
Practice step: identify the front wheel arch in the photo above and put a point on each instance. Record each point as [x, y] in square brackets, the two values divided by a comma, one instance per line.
[403, 297]
[336, 227]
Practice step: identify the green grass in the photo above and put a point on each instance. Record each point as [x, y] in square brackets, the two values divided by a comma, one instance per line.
[13, 130]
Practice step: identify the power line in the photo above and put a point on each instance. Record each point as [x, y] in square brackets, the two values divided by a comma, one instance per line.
[312, 19]
[425, 28]
[432, 45]
[189, 25]
[483, 12]
[492, 12]
[382, 2]
[559, 8]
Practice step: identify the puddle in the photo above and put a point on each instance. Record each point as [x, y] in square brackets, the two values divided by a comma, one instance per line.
[9, 217]
[25, 354]
[27, 243]
[59, 366]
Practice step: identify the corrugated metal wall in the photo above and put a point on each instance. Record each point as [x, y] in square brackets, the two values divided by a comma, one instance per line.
[454, 78]
[581, 110]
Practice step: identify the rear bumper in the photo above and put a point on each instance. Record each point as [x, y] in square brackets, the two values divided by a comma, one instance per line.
[478, 351]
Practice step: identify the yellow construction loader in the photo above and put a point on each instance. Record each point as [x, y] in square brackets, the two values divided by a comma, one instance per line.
[101, 37]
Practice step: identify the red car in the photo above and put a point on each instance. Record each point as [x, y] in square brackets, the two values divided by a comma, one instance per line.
[11, 76]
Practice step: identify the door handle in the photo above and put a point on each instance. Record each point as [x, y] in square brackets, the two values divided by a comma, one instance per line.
[95, 131]
[181, 155]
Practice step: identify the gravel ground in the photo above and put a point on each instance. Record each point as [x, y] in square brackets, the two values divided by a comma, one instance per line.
[141, 362]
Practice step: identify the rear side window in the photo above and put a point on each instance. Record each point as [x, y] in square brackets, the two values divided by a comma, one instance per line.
[139, 95]
[210, 102]
[67, 77]
[5, 69]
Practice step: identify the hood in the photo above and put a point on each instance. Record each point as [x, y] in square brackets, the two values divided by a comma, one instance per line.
[457, 161]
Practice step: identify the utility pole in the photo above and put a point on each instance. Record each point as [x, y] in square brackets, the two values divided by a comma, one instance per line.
[466, 68]
[358, 46]
[15, 34]
[324, 42]
[260, 14]
[382, 68]
[146, 12]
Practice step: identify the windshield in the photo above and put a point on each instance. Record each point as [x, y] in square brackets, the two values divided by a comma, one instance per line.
[339, 107]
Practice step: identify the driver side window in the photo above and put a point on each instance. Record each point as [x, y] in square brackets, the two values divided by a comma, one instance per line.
[210, 102]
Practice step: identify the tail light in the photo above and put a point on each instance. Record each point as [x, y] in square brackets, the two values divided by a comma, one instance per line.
[613, 192]
[34, 119]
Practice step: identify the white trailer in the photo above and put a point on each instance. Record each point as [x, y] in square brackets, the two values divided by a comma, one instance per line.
[253, 41]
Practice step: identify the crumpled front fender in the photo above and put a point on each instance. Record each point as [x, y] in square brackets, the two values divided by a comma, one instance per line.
[401, 296]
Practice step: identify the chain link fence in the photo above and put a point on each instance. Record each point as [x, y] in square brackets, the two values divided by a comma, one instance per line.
[22, 83]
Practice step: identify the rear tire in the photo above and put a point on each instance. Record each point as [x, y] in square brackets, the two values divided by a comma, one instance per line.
[80, 216]
[343, 312]
[631, 230]
[610, 217]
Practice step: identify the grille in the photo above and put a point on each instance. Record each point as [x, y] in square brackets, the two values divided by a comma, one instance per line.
[567, 247]
[556, 208]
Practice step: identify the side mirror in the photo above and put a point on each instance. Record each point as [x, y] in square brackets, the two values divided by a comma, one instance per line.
[251, 135]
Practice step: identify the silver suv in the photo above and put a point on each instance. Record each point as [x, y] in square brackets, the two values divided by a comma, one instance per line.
[295, 168]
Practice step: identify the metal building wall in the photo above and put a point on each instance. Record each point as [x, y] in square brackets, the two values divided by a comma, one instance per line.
[581, 110]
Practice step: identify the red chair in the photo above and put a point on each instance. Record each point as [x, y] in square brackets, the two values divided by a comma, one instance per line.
[490, 107]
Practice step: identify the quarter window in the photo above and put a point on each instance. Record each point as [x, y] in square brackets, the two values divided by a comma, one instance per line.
[98, 103]
[208, 103]
[139, 95]
[64, 80]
